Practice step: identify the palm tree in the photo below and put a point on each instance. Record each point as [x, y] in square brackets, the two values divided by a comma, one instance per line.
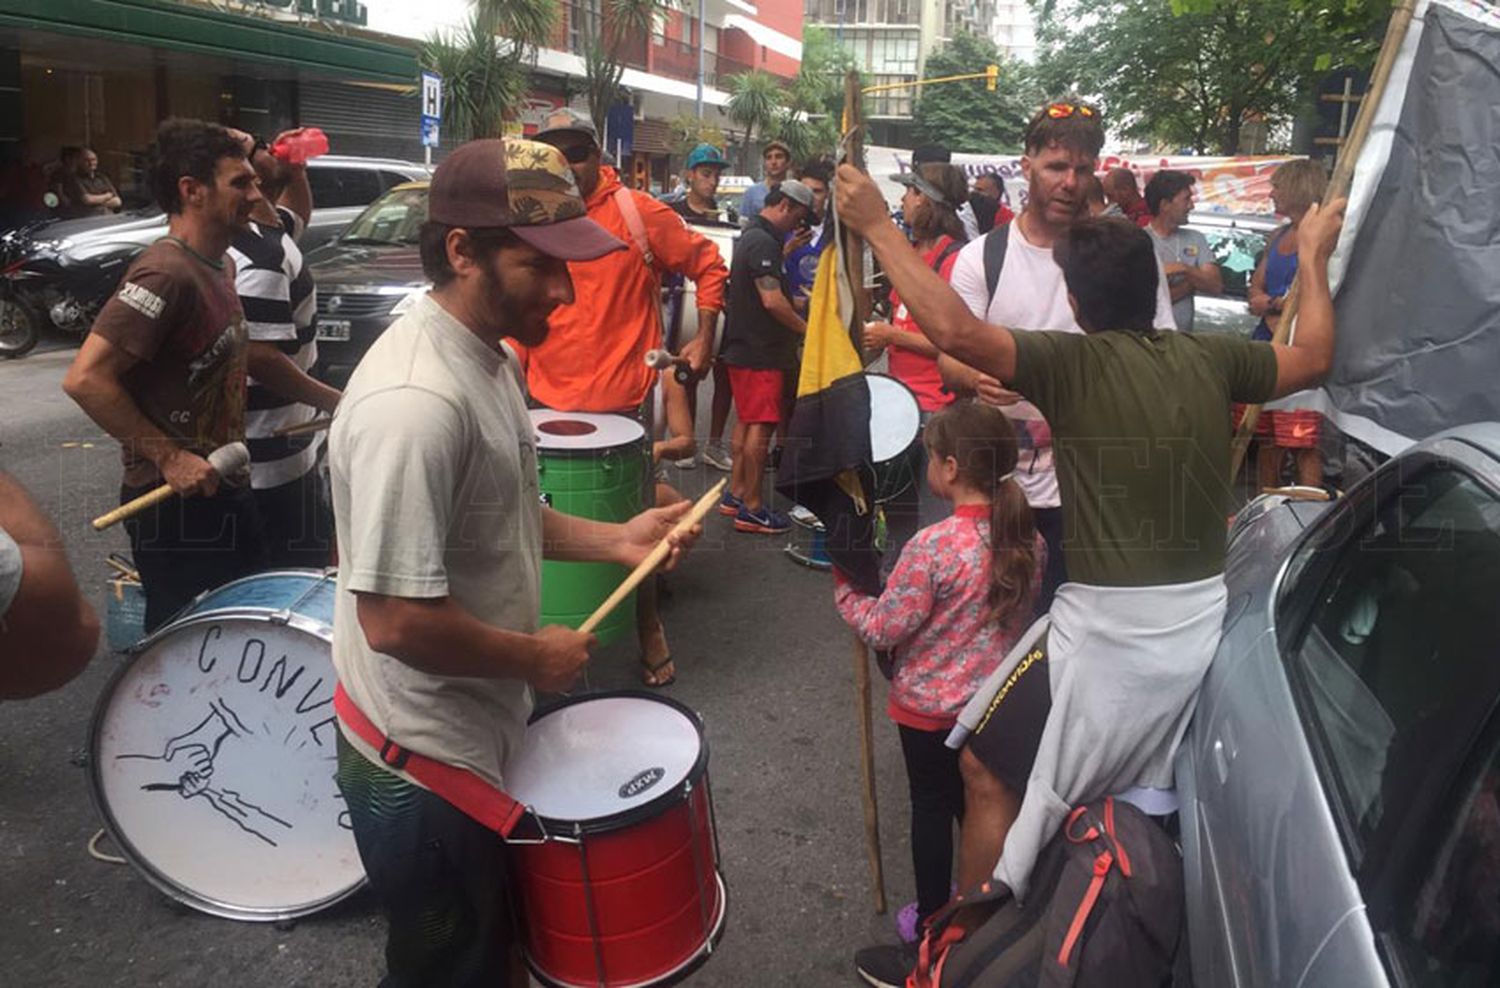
[525, 23]
[604, 51]
[484, 64]
[754, 100]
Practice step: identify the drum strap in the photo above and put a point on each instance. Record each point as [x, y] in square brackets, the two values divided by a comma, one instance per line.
[462, 789]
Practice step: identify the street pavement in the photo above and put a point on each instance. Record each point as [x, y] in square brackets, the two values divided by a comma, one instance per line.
[760, 653]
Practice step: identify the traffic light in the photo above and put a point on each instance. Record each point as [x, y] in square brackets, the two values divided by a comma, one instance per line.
[991, 77]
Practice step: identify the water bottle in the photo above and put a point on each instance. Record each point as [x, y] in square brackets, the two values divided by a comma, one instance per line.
[298, 148]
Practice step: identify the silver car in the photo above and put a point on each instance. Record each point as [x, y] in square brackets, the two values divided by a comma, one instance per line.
[342, 186]
[1340, 783]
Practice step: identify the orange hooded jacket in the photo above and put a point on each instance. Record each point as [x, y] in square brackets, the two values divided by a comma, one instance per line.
[593, 359]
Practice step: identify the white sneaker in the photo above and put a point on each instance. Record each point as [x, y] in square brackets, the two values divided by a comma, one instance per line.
[716, 456]
[688, 463]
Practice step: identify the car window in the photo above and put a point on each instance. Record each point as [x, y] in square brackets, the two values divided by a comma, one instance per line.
[389, 179]
[336, 187]
[1447, 932]
[1397, 667]
[395, 218]
[1236, 251]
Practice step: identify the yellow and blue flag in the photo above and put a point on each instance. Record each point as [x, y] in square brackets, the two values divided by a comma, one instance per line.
[825, 460]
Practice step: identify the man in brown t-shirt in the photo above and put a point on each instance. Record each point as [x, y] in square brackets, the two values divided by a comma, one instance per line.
[164, 372]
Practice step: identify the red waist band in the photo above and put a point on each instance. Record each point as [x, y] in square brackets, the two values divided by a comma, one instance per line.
[461, 788]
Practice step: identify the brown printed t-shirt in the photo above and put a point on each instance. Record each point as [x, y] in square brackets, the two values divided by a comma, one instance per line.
[180, 317]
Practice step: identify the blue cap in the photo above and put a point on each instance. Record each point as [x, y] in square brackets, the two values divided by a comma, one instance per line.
[706, 154]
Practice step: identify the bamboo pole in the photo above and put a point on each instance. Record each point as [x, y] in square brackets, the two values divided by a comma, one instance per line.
[867, 772]
[1338, 185]
[854, 257]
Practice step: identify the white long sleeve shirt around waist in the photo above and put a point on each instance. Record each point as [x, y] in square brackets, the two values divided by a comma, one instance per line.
[1031, 295]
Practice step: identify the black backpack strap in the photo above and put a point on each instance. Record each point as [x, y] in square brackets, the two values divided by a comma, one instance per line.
[995, 243]
[953, 247]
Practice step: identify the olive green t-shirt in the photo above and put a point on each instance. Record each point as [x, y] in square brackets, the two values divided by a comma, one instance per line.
[1140, 430]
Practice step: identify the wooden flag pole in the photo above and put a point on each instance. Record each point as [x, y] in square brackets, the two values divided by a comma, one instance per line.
[1338, 185]
[854, 259]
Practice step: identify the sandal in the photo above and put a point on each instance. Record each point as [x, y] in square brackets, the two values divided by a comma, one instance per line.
[656, 644]
[650, 674]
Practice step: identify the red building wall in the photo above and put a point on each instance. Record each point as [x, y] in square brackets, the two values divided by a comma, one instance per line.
[784, 16]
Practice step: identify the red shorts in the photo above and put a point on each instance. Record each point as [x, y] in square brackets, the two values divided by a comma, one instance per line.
[1289, 430]
[1296, 430]
[1262, 421]
[757, 394]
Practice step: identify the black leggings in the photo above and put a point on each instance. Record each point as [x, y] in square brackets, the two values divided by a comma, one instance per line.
[937, 803]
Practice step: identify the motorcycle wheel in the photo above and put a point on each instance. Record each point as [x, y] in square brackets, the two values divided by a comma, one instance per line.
[20, 327]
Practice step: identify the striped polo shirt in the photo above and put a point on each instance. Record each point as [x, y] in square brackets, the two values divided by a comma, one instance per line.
[280, 303]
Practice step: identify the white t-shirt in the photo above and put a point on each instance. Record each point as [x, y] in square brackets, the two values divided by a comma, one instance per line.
[1030, 295]
[435, 493]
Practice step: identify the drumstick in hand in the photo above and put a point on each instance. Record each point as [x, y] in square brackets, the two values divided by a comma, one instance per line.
[303, 428]
[225, 460]
[654, 559]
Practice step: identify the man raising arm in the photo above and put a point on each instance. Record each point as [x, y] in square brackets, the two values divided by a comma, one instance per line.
[947, 321]
[1140, 418]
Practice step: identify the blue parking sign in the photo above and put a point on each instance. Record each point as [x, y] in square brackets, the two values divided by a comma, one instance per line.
[432, 108]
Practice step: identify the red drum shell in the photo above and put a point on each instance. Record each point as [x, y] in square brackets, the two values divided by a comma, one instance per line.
[650, 879]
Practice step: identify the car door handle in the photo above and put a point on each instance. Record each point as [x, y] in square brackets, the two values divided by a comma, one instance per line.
[1221, 761]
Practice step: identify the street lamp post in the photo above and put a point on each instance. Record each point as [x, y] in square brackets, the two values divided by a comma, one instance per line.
[701, 39]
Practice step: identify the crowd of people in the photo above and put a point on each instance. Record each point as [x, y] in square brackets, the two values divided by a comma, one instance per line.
[1071, 470]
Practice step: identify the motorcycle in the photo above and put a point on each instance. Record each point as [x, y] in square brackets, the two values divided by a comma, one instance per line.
[53, 282]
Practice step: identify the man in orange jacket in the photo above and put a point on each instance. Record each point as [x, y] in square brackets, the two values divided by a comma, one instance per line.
[594, 357]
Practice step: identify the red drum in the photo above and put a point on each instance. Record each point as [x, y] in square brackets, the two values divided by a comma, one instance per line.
[624, 889]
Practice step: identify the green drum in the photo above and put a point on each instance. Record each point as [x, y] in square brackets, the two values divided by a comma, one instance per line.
[593, 466]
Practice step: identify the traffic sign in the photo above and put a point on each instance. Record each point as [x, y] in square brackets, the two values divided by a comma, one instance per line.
[432, 108]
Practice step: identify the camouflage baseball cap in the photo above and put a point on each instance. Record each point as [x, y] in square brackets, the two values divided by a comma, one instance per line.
[525, 186]
[565, 119]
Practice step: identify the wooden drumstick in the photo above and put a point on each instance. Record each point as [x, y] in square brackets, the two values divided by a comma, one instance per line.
[303, 428]
[658, 553]
[225, 460]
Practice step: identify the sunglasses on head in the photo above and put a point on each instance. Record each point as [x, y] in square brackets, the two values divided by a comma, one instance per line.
[578, 153]
[1061, 111]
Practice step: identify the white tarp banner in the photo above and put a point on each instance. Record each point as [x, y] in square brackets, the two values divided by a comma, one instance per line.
[1417, 272]
[1238, 185]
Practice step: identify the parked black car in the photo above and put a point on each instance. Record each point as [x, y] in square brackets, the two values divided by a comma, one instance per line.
[366, 277]
[59, 273]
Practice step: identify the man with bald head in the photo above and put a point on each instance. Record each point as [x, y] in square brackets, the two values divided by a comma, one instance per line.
[1121, 189]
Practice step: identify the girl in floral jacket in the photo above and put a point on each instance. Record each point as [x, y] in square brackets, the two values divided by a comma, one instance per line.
[959, 598]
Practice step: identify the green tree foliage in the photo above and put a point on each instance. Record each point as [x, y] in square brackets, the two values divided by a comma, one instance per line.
[755, 103]
[688, 132]
[484, 65]
[1191, 73]
[624, 22]
[814, 102]
[965, 116]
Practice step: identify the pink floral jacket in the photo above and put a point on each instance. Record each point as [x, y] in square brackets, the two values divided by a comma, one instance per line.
[934, 615]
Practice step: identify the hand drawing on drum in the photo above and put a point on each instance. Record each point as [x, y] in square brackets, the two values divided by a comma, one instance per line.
[195, 750]
[225, 716]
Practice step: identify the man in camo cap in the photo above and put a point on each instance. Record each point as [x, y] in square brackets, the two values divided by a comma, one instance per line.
[441, 533]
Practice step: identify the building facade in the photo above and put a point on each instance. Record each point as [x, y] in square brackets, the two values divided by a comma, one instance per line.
[104, 73]
[891, 41]
[1015, 29]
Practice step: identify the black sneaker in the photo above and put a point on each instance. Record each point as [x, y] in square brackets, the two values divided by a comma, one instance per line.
[886, 966]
